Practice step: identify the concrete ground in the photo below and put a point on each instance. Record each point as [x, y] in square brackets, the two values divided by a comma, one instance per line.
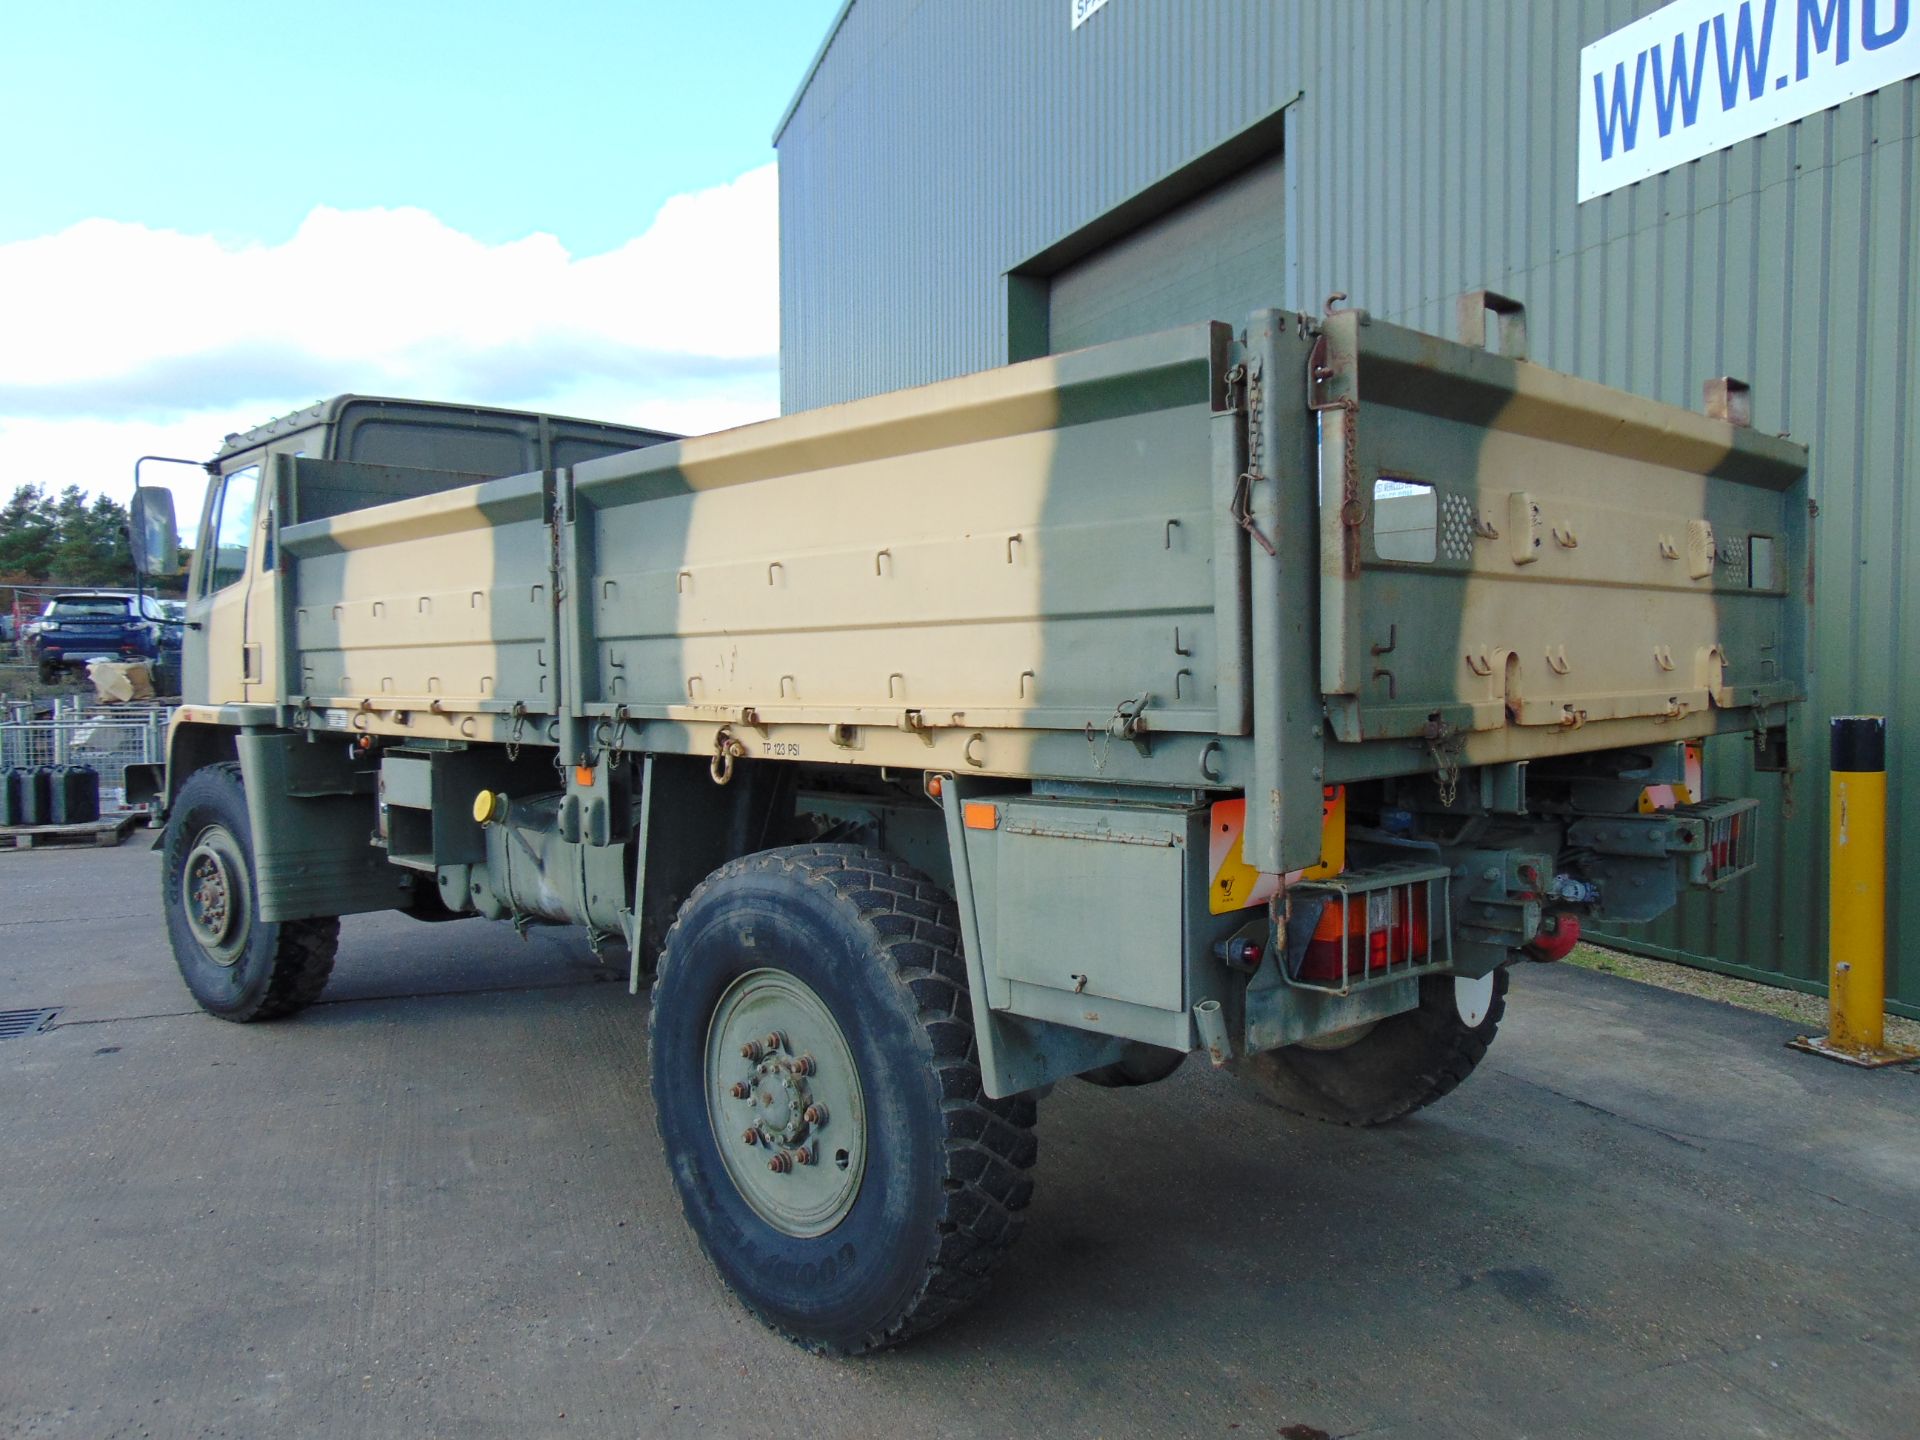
[433, 1206]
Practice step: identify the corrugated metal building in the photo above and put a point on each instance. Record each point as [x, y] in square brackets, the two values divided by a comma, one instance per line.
[962, 185]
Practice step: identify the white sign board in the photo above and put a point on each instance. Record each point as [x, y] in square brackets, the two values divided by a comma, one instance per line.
[1083, 10]
[1698, 75]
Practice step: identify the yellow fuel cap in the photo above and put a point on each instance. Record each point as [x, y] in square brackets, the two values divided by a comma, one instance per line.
[489, 806]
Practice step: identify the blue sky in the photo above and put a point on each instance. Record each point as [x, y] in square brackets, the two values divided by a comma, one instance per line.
[540, 205]
[576, 118]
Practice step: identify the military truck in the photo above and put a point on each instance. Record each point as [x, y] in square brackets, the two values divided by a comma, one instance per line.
[1266, 692]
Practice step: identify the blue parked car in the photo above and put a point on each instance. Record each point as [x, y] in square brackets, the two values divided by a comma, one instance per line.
[104, 625]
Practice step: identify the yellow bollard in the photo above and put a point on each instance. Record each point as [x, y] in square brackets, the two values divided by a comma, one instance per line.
[1857, 899]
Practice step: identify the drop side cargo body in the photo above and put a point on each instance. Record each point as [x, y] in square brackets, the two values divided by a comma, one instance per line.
[1239, 684]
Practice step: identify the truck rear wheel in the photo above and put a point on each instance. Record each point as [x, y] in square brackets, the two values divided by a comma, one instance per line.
[1391, 1069]
[237, 965]
[819, 1097]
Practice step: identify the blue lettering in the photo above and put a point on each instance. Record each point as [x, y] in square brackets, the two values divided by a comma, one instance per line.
[1620, 121]
[1823, 26]
[1871, 35]
[1674, 89]
[1747, 56]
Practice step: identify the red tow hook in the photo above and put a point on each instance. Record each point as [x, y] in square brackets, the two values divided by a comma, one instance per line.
[1557, 937]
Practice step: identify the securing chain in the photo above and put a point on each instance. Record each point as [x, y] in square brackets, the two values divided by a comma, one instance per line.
[1352, 511]
[618, 750]
[1444, 744]
[517, 730]
[1248, 375]
[613, 735]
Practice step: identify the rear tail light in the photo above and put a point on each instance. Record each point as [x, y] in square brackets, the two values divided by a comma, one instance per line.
[1729, 849]
[1725, 844]
[1363, 935]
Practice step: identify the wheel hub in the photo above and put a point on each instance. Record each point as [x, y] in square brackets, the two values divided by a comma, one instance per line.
[781, 1101]
[785, 1103]
[215, 891]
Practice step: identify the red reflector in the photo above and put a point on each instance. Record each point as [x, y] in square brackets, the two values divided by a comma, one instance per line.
[1726, 844]
[1366, 934]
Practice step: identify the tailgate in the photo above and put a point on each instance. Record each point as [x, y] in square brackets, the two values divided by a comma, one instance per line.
[1506, 547]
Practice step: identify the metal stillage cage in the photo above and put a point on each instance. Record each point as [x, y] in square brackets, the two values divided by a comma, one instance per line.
[109, 740]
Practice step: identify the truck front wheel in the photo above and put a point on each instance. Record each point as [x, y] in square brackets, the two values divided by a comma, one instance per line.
[1391, 1069]
[238, 966]
[819, 1097]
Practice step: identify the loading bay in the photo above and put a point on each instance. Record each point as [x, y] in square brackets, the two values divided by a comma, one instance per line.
[434, 1206]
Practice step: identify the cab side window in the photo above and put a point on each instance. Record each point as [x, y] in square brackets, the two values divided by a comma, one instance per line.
[230, 529]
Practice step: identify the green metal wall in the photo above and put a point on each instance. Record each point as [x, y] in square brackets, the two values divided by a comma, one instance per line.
[1215, 254]
[938, 146]
[1429, 149]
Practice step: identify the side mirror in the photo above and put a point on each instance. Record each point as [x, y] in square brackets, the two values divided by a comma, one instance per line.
[153, 533]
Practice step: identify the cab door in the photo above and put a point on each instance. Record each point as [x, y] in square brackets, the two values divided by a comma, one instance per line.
[218, 661]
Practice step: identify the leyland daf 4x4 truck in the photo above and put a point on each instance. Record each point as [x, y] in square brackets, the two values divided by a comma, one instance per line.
[1265, 691]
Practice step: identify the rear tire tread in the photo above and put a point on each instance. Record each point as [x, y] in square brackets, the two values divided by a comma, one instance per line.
[1452, 1050]
[989, 1144]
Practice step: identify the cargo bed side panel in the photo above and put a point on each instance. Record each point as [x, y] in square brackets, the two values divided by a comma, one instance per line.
[1028, 548]
[1507, 548]
[439, 603]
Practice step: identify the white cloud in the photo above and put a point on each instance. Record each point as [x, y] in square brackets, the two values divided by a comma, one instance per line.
[117, 340]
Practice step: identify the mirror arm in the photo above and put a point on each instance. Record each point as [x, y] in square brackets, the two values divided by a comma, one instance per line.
[163, 460]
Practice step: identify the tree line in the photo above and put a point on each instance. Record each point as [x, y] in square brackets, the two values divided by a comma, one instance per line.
[64, 538]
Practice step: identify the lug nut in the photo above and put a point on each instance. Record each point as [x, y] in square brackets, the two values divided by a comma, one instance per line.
[803, 1157]
[775, 1040]
[804, 1065]
[780, 1163]
[751, 1137]
[815, 1115]
[750, 1051]
[740, 1090]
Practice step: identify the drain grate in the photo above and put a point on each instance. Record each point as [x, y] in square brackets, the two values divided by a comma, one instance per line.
[15, 1023]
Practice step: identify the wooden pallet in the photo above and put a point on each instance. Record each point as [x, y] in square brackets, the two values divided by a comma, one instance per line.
[106, 832]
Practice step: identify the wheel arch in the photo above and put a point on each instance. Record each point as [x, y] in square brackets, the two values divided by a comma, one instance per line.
[239, 964]
[193, 745]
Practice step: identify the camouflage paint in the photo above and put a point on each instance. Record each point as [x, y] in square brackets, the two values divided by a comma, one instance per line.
[971, 577]
[1135, 565]
[981, 575]
[1590, 558]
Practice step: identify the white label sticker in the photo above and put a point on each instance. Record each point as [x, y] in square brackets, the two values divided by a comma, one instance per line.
[1083, 10]
[1699, 75]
